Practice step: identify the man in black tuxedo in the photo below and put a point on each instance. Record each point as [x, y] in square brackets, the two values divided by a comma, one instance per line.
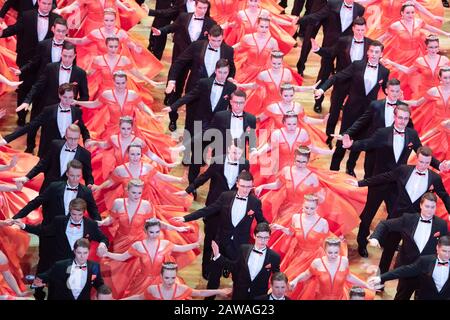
[346, 50]
[337, 17]
[432, 270]
[209, 96]
[45, 91]
[56, 198]
[236, 211]
[233, 124]
[279, 284]
[420, 234]
[31, 27]
[187, 28]
[20, 6]
[366, 77]
[412, 182]
[222, 173]
[253, 267]
[391, 149]
[72, 279]
[54, 121]
[54, 164]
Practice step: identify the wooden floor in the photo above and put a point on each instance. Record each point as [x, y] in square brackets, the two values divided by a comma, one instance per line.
[192, 273]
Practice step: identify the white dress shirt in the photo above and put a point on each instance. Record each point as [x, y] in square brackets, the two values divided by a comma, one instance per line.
[195, 28]
[389, 113]
[211, 58]
[398, 144]
[346, 15]
[69, 195]
[65, 157]
[64, 75]
[190, 6]
[238, 210]
[440, 275]
[236, 126]
[357, 50]
[64, 119]
[231, 172]
[42, 26]
[422, 233]
[56, 51]
[74, 233]
[370, 78]
[271, 297]
[216, 93]
[77, 279]
[255, 262]
[416, 185]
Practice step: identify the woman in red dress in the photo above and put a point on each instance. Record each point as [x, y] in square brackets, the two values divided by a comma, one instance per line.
[169, 289]
[151, 252]
[7, 59]
[330, 274]
[127, 218]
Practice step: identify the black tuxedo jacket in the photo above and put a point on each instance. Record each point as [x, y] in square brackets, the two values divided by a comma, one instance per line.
[357, 100]
[230, 238]
[179, 27]
[400, 176]
[222, 122]
[58, 275]
[52, 202]
[57, 231]
[381, 141]
[330, 17]
[243, 287]
[50, 165]
[218, 183]
[20, 6]
[372, 119]
[198, 102]
[341, 51]
[171, 9]
[267, 297]
[406, 225]
[45, 90]
[194, 56]
[422, 268]
[48, 122]
[27, 37]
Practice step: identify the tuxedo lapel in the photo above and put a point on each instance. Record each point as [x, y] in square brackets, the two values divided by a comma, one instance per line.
[35, 23]
[202, 55]
[61, 197]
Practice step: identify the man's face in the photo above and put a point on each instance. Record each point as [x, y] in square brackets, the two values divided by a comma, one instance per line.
[45, 6]
[74, 176]
[374, 54]
[443, 252]
[81, 255]
[72, 138]
[66, 99]
[244, 187]
[215, 42]
[423, 162]
[393, 92]
[76, 215]
[427, 209]
[222, 74]
[234, 153]
[237, 104]
[401, 120]
[261, 239]
[359, 31]
[279, 288]
[200, 9]
[60, 32]
[67, 57]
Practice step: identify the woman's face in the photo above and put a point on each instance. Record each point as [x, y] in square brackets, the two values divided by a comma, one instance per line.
[408, 13]
[290, 124]
[301, 161]
[135, 193]
[153, 232]
[109, 21]
[277, 63]
[332, 253]
[263, 26]
[309, 207]
[433, 47]
[287, 95]
[169, 277]
[252, 3]
[125, 129]
[112, 46]
[135, 155]
[445, 78]
[120, 83]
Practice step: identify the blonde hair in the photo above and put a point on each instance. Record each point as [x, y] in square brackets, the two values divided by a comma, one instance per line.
[135, 183]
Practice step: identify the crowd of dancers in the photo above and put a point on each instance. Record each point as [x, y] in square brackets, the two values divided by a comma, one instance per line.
[114, 222]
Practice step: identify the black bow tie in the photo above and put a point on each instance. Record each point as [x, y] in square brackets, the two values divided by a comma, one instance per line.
[68, 150]
[402, 133]
[66, 68]
[357, 41]
[42, 16]
[232, 163]
[391, 104]
[212, 49]
[72, 189]
[57, 44]
[442, 263]
[241, 198]
[420, 173]
[82, 267]
[425, 221]
[347, 6]
[218, 84]
[199, 18]
[236, 116]
[75, 225]
[372, 66]
[258, 252]
[64, 110]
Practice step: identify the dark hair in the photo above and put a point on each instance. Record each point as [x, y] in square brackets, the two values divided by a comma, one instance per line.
[262, 227]
[425, 151]
[444, 241]
[406, 4]
[303, 151]
[60, 21]
[288, 115]
[359, 21]
[377, 43]
[215, 31]
[245, 175]
[442, 70]
[393, 82]
[356, 291]
[76, 164]
[222, 63]
[109, 39]
[169, 266]
[77, 204]
[203, 1]
[134, 145]
[69, 46]
[66, 87]
[431, 38]
[430, 196]
[104, 289]
[262, 19]
[82, 243]
[151, 223]
[279, 276]
[239, 93]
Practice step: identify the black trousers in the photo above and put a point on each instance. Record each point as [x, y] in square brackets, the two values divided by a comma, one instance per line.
[406, 287]
[157, 44]
[369, 163]
[339, 154]
[211, 227]
[31, 135]
[28, 79]
[375, 196]
[340, 91]
[174, 96]
[311, 31]
[326, 69]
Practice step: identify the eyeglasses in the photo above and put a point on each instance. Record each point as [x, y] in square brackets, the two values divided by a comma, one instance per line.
[262, 238]
[239, 103]
[301, 161]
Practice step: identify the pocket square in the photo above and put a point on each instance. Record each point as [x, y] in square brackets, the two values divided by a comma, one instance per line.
[437, 234]
[381, 81]
[268, 266]
[87, 236]
[250, 213]
[431, 188]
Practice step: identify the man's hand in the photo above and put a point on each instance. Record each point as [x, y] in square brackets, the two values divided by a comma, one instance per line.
[352, 182]
[102, 249]
[346, 141]
[21, 181]
[314, 45]
[318, 93]
[23, 106]
[166, 109]
[215, 249]
[374, 243]
[16, 71]
[156, 32]
[170, 87]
